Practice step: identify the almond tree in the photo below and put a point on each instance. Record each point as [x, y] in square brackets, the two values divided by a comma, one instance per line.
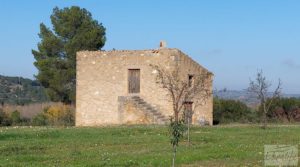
[182, 90]
[260, 88]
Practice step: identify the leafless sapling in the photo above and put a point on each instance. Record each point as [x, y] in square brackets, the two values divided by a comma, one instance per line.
[182, 89]
[260, 88]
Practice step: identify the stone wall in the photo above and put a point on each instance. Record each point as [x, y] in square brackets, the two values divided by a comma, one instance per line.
[102, 77]
[202, 110]
[130, 113]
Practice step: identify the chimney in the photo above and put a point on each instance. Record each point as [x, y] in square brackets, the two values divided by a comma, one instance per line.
[162, 44]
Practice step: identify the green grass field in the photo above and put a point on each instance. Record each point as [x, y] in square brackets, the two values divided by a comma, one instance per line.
[139, 146]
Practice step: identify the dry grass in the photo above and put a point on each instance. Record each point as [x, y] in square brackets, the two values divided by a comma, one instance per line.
[30, 110]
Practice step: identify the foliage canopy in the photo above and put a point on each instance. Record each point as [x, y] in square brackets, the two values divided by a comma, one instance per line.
[74, 29]
[228, 111]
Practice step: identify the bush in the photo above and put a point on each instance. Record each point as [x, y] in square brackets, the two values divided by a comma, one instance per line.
[281, 110]
[4, 119]
[61, 115]
[15, 117]
[231, 111]
[25, 122]
[40, 120]
[58, 115]
[284, 110]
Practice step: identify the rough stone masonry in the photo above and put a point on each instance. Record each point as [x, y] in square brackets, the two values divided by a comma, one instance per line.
[119, 87]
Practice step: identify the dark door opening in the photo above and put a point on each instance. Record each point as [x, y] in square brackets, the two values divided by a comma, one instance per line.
[188, 112]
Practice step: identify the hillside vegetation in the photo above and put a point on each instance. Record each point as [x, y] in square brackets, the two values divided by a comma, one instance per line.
[245, 97]
[20, 91]
[283, 110]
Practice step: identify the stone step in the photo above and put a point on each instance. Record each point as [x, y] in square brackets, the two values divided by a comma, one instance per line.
[148, 108]
[153, 111]
[160, 118]
[137, 98]
[158, 115]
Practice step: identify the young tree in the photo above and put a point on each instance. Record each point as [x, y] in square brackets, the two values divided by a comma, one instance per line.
[73, 30]
[260, 88]
[181, 90]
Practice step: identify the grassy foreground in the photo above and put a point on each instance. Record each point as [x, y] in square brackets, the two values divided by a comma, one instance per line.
[139, 146]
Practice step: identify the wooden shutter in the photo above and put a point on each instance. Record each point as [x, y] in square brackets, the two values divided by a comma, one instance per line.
[134, 80]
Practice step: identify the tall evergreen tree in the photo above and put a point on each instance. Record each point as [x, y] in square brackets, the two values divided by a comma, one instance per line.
[74, 29]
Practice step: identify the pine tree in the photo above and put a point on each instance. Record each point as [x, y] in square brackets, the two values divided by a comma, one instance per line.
[73, 30]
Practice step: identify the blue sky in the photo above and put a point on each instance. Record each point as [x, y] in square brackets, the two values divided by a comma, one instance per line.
[231, 38]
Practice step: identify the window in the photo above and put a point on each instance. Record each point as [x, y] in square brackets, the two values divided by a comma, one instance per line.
[191, 80]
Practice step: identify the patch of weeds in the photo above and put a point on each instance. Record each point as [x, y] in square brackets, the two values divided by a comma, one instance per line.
[105, 159]
[12, 150]
[37, 149]
[48, 134]
[131, 163]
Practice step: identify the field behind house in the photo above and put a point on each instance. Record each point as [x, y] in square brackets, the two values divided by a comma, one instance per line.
[139, 146]
[28, 110]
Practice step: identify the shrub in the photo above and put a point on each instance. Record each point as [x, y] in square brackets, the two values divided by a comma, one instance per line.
[57, 115]
[61, 115]
[285, 110]
[230, 111]
[25, 122]
[4, 119]
[40, 120]
[15, 117]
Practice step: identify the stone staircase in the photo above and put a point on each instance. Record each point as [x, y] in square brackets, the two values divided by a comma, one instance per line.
[157, 116]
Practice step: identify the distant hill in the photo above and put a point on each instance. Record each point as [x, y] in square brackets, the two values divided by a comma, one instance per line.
[18, 90]
[244, 96]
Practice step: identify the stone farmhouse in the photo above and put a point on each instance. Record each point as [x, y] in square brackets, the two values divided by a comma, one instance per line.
[119, 87]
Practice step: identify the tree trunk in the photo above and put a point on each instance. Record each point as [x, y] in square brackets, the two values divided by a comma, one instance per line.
[188, 131]
[176, 116]
[265, 116]
[174, 155]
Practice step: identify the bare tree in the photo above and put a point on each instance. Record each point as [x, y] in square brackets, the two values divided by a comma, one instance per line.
[260, 88]
[183, 89]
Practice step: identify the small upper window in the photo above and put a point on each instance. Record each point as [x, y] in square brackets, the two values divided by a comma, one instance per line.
[191, 80]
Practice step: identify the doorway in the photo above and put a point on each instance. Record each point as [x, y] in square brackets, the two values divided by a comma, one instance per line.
[134, 80]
